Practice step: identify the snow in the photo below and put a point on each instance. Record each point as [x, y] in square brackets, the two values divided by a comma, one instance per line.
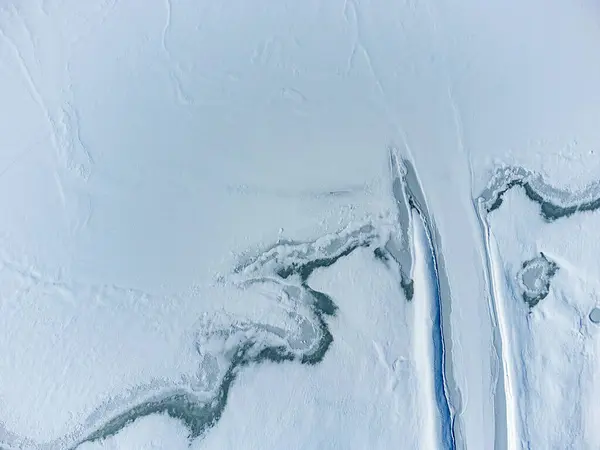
[369, 383]
[551, 347]
[150, 151]
[425, 305]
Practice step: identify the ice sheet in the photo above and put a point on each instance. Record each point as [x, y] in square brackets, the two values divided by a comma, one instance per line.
[148, 150]
[549, 343]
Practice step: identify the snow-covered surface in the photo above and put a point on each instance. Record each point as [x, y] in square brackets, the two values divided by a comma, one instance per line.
[149, 151]
[552, 347]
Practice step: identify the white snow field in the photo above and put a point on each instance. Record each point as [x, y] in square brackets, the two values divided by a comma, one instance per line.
[543, 261]
[291, 224]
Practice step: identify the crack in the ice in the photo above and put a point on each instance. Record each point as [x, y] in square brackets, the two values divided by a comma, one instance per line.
[445, 407]
[409, 196]
[174, 72]
[289, 267]
[59, 114]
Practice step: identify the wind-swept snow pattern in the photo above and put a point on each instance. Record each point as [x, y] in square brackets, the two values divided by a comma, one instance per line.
[548, 348]
[225, 350]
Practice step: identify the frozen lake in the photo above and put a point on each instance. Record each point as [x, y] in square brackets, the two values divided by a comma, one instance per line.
[299, 224]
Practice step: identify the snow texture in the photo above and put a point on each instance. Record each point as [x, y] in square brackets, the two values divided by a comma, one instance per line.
[299, 224]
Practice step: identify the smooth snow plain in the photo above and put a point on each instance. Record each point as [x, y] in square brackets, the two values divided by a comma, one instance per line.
[299, 224]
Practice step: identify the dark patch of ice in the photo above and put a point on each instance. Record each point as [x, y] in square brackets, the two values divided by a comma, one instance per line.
[534, 277]
[554, 203]
[199, 415]
[410, 197]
